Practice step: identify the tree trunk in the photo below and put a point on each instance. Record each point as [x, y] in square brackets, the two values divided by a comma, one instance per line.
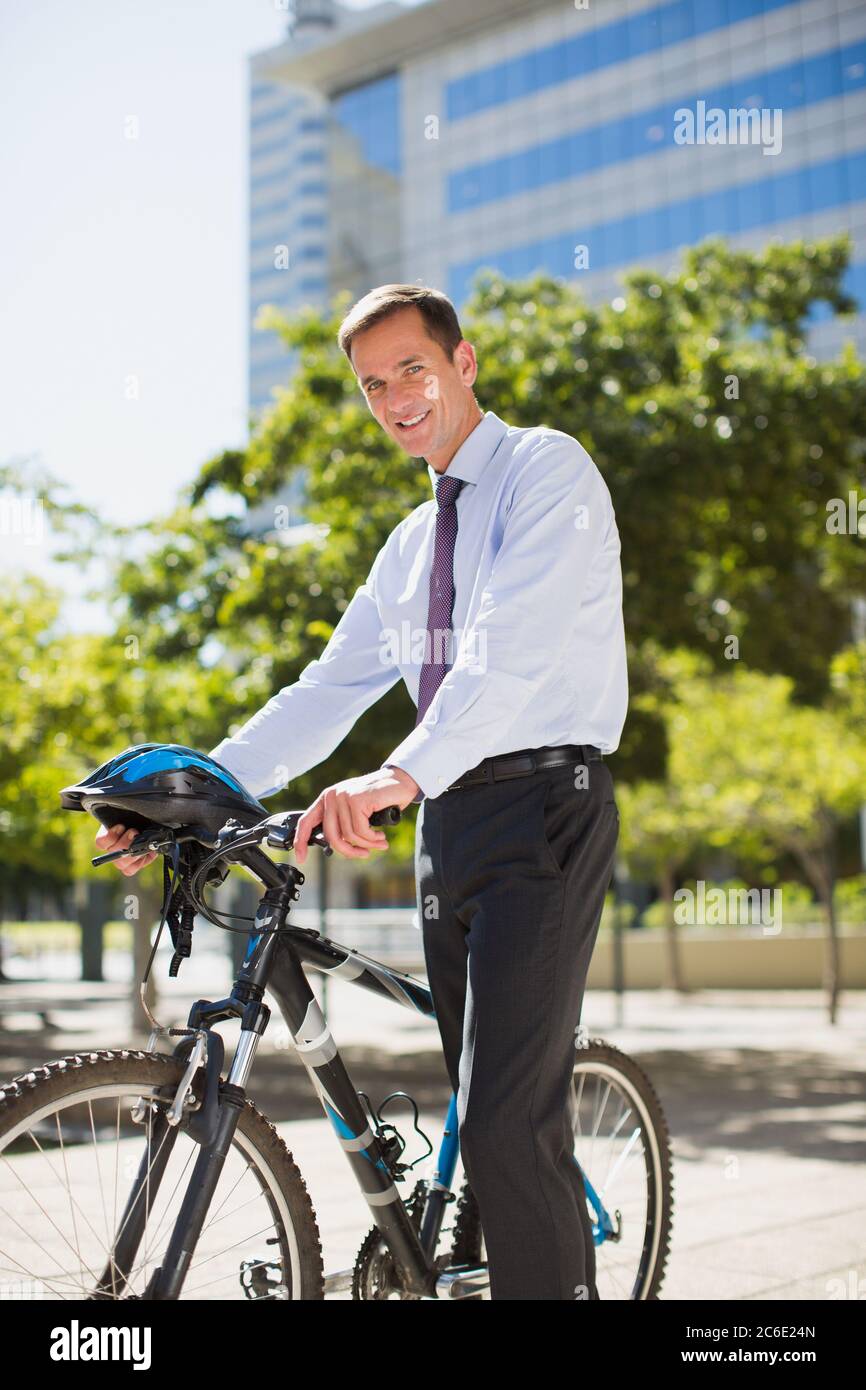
[820, 868]
[673, 973]
[2, 917]
[832, 973]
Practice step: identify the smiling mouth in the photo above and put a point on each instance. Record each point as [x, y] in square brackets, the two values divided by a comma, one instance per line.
[414, 422]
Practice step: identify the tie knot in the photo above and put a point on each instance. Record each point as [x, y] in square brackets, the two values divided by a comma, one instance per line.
[447, 489]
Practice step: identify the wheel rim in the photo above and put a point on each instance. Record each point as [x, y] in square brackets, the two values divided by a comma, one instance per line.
[65, 1174]
[617, 1148]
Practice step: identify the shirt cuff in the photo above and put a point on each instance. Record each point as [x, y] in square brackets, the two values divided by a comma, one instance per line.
[425, 755]
[420, 794]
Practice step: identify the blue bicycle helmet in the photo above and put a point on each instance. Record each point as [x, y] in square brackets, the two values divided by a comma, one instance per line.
[163, 784]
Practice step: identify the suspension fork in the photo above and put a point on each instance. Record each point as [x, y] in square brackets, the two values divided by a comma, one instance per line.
[214, 1127]
[327, 1071]
[162, 1124]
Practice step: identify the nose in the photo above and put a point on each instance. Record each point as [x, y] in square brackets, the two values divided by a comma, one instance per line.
[401, 402]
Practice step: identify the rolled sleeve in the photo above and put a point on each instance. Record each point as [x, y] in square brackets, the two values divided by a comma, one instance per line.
[304, 722]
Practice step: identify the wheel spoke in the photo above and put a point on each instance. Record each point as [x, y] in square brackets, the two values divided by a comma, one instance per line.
[234, 1211]
[47, 1253]
[68, 1223]
[197, 1288]
[609, 1176]
[76, 1252]
[217, 1254]
[69, 1192]
[165, 1214]
[132, 1208]
[214, 1216]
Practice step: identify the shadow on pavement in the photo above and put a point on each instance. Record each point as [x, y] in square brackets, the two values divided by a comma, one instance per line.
[800, 1103]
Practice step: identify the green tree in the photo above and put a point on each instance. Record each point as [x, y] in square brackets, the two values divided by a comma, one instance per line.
[764, 766]
[659, 832]
[721, 440]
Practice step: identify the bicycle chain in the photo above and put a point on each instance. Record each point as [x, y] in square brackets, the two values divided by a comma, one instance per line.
[374, 1266]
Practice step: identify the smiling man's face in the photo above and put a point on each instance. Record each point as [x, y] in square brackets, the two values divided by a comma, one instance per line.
[423, 401]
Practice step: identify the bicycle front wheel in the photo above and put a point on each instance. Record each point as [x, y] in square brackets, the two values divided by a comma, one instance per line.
[92, 1179]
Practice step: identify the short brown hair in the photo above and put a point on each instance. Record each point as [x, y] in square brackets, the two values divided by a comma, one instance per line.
[439, 314]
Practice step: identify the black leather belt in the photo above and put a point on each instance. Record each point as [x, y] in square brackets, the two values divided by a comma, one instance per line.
[525, 762]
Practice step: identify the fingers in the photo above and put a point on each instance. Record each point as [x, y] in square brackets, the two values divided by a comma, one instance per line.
[133, 863]
[109, 837]
[354, 826]
[338, 830]
[115, 838]
[304, 828]
[344, 825]
[362, 829]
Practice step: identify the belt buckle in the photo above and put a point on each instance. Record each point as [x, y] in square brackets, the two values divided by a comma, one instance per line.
[526, 765]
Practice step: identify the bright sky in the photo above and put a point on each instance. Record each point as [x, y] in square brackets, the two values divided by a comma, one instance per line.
[123, 261]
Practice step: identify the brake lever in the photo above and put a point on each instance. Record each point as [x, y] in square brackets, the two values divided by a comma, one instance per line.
[142, 844]
[148, 840]
[282, 834]
[281, 829]
[318, 838]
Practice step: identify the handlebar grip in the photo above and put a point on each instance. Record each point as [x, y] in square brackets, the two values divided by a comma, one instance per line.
[389, 815]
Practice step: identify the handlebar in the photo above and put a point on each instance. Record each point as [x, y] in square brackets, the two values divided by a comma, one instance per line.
[278, 830]
[201, 856]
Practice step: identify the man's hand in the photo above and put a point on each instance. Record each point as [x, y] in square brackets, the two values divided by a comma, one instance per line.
[116, 838]
[344, 812]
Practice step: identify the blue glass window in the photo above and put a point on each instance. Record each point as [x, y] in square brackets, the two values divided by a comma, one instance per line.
[604, 46]
[568, 156]
[830, 183]
[371, 113]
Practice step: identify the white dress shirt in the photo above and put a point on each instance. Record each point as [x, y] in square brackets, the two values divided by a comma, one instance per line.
[538, 651]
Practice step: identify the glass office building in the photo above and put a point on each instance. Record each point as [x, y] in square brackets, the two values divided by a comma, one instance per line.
[576, 139]
[287, 213]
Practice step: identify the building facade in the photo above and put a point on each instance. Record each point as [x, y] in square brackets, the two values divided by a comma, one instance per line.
[423, 142]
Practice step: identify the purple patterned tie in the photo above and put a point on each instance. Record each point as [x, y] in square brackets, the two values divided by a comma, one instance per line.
[441, 593]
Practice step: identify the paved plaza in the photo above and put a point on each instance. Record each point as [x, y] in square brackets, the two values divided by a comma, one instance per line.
[765, 1100]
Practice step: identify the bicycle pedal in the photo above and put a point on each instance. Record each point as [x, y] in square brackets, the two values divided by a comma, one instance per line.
[262, 1278]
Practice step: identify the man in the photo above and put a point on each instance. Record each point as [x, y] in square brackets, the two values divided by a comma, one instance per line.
[518, 553]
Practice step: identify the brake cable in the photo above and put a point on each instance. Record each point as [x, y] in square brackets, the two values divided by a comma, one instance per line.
[168, 894]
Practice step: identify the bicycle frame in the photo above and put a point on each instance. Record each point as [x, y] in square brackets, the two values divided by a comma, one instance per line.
[274, 961]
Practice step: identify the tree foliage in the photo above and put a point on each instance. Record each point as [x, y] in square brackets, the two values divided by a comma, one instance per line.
[721, 440]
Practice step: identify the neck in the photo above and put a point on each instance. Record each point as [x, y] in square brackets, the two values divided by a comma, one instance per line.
[440, 461]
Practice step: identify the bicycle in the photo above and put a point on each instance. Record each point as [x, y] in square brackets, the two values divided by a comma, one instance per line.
[144, 1174]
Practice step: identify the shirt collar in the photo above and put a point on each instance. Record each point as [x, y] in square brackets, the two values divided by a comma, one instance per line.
[475, 452]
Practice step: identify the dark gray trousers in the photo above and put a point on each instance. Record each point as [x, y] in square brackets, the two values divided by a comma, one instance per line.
[511, 878]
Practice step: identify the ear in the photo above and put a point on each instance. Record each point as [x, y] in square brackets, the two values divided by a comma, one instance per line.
[466, 362]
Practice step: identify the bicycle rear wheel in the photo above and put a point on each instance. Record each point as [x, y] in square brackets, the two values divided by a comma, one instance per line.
[622, 1144]
[72, 1157]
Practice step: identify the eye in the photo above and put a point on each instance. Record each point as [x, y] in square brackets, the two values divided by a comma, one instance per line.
[416, 367]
